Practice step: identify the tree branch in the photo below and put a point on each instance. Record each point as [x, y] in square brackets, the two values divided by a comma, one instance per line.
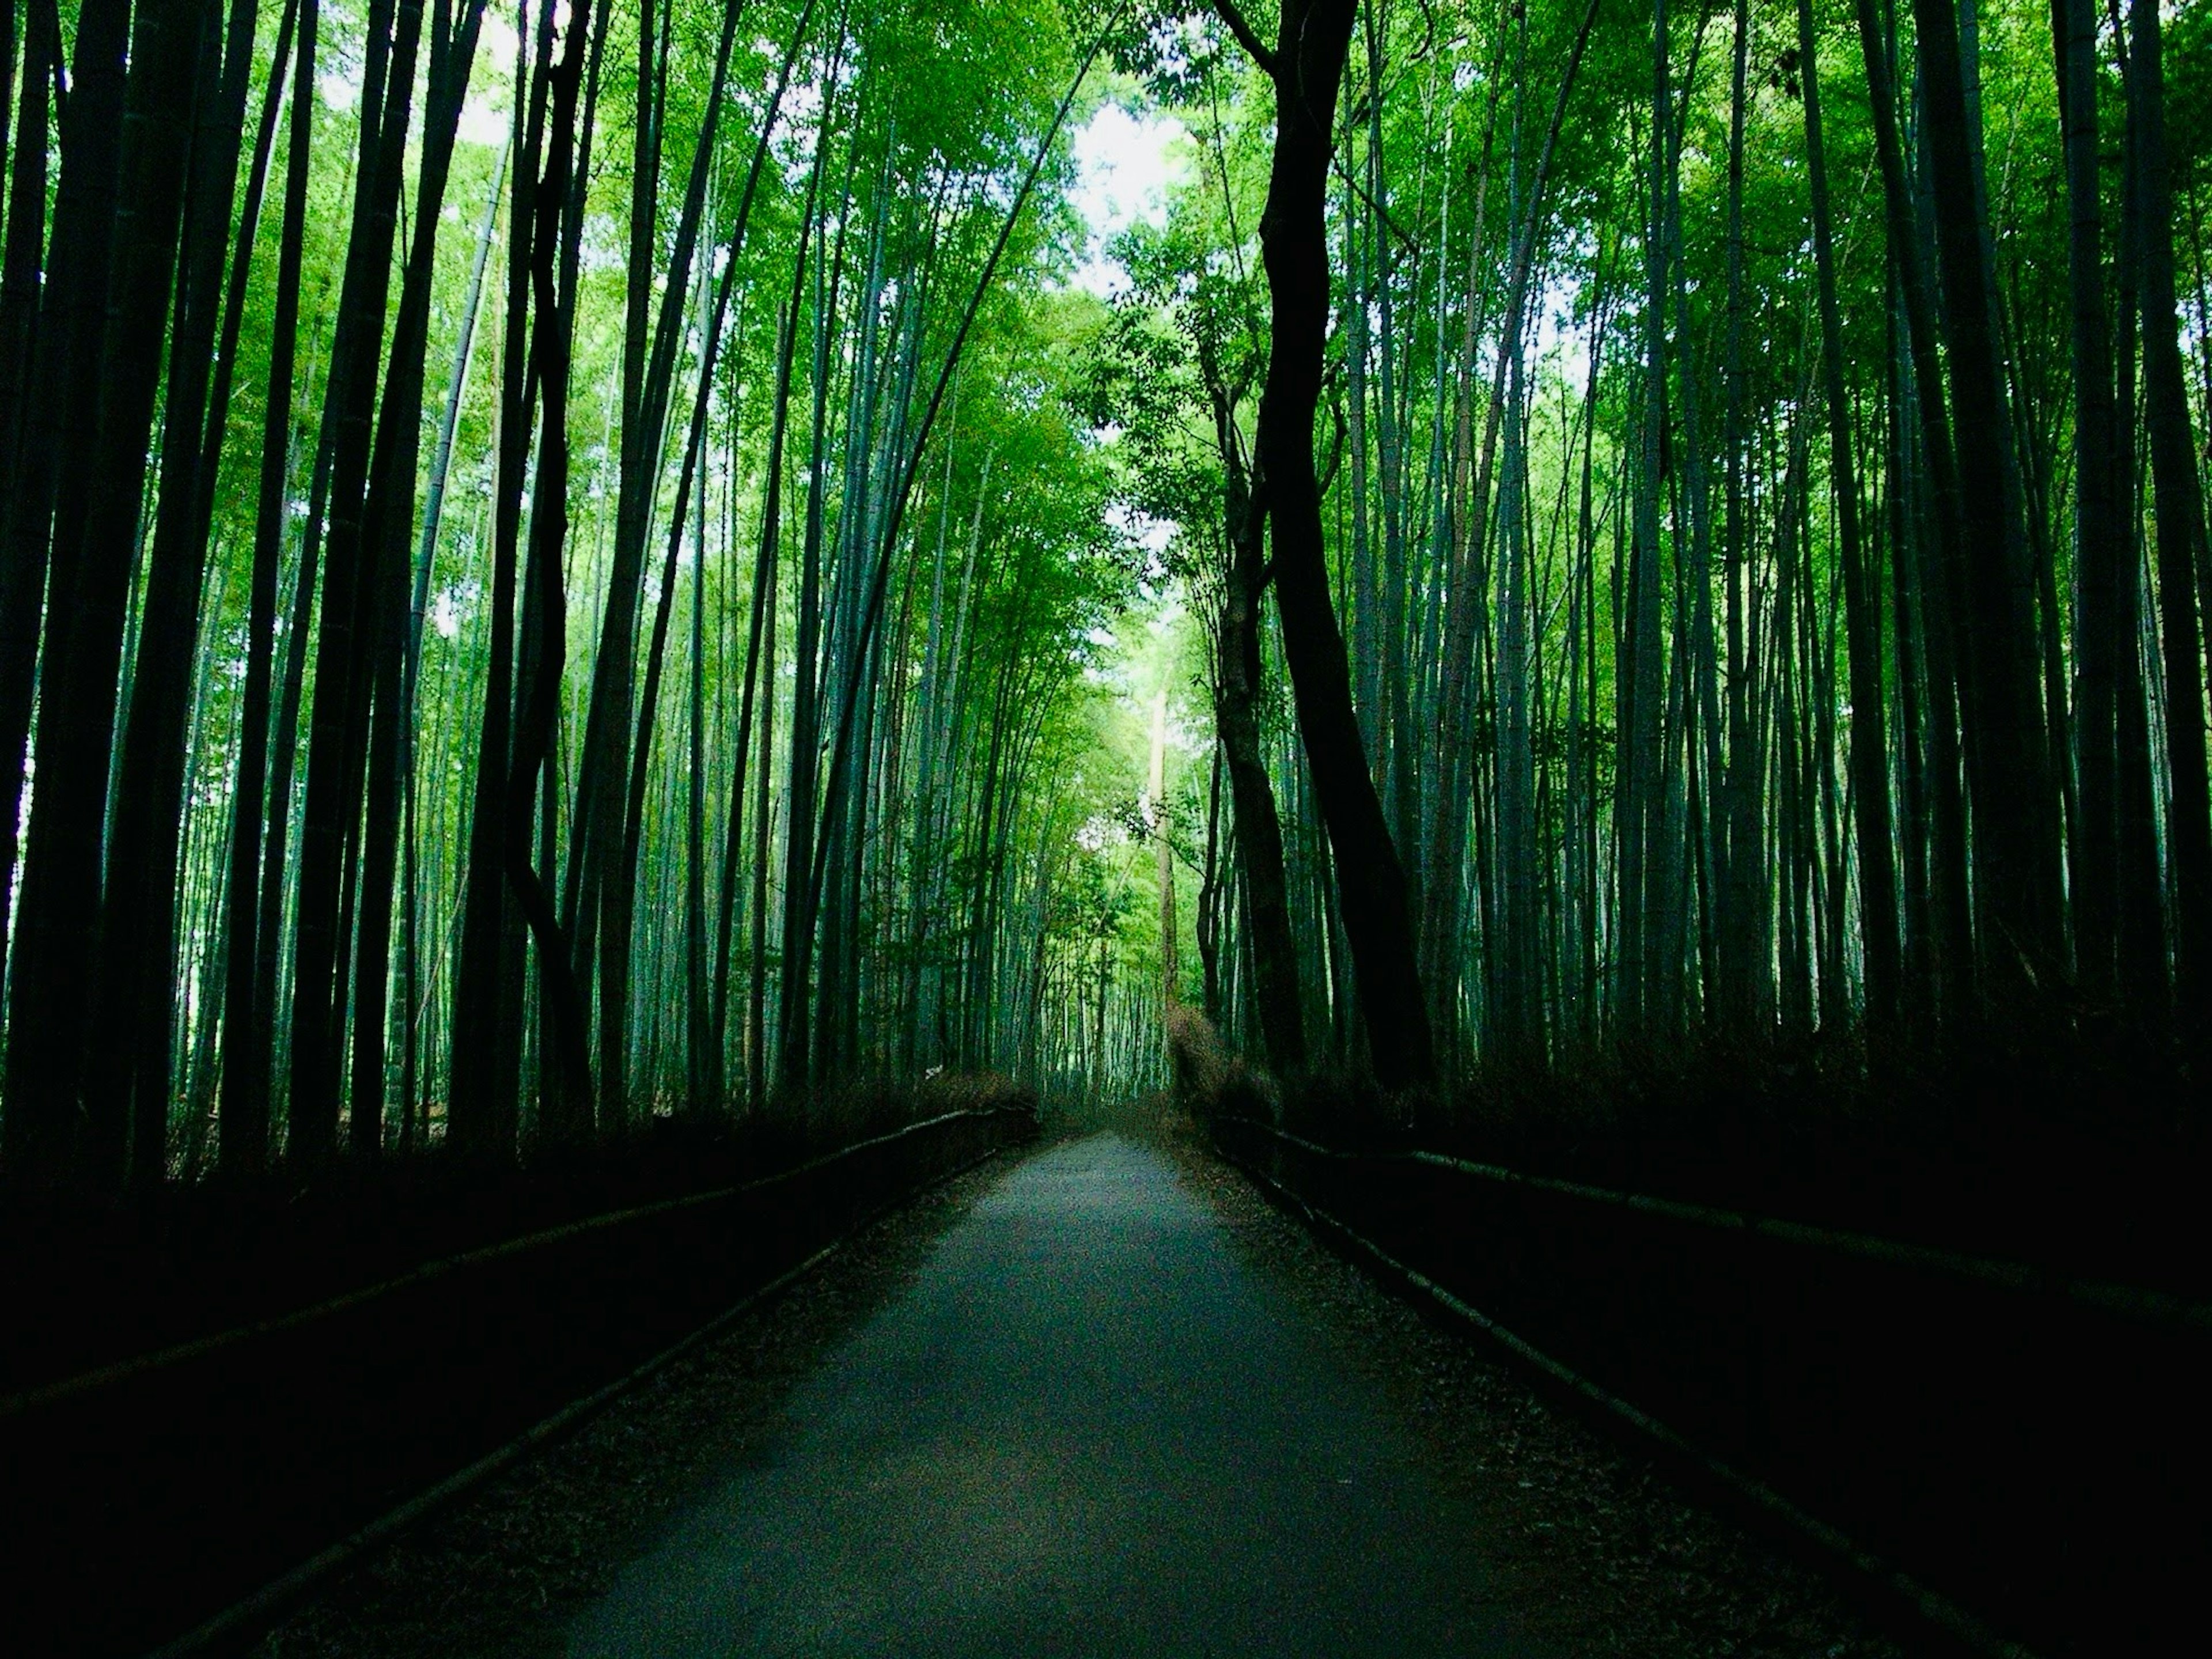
[1247, 37]
[1335, 450]
[1405, 238]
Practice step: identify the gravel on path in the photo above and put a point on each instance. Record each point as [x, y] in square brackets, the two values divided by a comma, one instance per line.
[1593, 1546]
[497, 1575]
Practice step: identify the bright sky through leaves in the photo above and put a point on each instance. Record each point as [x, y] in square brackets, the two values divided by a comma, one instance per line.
[1126, 168]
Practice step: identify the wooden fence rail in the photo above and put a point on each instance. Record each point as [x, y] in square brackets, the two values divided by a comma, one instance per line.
[147, 1496]
[2015, 1457]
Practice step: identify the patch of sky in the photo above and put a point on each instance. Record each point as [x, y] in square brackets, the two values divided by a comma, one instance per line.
[484, 111]
[1125, 163]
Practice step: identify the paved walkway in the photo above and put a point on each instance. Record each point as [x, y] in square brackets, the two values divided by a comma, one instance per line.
[1088, 1428]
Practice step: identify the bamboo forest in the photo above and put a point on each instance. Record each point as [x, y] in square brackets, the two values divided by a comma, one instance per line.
[1618, 587]
[644, 581]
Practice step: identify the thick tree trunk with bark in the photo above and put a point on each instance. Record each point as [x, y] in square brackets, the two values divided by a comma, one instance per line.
[1307, 69]
[1259, 829]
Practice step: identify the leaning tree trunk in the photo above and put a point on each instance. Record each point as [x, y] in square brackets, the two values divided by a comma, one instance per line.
[481, 1089]
[382, 592]
[1307, 67]
[603, 840]
[800, 799]
[1259, 828]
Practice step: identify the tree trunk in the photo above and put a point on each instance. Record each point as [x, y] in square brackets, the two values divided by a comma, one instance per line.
[2180, 519]
[1869, 742]
[39, 519]
[800, 799]
[52, 985]
[22, 546]
[2016, 831]
[341, 651]
[1308, 69]
[1279, 1000]
[601, 841]
[137, 966]
[2099, 543]
[244, 1147]
[1941, 561]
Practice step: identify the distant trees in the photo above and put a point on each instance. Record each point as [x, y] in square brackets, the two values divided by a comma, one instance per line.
[614, 594]
[1759, 618]
[364, 762]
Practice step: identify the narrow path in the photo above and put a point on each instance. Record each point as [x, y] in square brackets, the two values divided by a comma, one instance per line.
[1087, 1428]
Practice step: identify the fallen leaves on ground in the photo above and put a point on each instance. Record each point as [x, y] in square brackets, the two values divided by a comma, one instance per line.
[1595, 1551]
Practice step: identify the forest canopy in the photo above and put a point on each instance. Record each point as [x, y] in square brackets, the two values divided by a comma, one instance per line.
[562, 564]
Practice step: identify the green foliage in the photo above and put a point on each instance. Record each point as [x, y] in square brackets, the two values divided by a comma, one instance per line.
[1063, 553]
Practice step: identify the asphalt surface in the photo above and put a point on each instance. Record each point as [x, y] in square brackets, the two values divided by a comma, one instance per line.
[1087, 1428]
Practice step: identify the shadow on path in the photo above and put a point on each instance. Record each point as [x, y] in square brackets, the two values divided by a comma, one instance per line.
[1086, 1429]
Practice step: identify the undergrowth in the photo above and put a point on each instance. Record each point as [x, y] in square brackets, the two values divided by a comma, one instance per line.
[2079, 1144]
[80, 1283]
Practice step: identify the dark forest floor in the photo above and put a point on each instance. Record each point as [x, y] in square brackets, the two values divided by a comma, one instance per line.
[1595, 1548]
[500, 1572]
